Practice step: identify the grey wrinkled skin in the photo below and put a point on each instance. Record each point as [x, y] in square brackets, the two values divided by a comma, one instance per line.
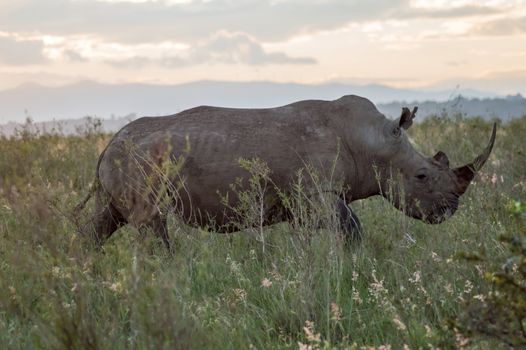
[347, 137]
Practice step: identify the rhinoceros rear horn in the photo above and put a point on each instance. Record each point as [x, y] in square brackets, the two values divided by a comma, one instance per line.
[466, 173]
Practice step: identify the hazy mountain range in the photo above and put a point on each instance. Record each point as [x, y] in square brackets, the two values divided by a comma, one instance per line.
[117, 104]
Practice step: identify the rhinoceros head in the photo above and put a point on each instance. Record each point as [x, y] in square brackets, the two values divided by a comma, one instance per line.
[430, 188]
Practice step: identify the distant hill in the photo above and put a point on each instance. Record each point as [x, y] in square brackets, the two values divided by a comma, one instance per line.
[66, 126]
[103, 100]
[505, 108]
[64, 109]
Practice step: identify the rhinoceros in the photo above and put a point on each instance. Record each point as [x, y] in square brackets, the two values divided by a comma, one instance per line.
[349, 135]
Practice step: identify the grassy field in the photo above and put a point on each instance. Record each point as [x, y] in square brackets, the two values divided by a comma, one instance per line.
[398, 289]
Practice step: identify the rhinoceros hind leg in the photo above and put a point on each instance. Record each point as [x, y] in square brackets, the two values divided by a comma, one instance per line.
[349, 222]
[158, 225]
[104, 222]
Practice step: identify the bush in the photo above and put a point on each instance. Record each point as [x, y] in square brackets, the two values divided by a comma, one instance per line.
[500, 313]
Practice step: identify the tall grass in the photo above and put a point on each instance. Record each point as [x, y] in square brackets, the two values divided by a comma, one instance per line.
[287, 286]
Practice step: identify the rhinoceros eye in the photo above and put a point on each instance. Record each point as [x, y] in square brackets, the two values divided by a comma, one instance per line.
[422, 175]
[395, 131]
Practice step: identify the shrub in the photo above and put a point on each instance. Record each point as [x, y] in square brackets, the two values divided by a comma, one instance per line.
[500, 313]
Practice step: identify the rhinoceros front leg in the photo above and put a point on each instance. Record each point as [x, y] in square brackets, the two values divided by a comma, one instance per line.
[349, 222]
[158, 225]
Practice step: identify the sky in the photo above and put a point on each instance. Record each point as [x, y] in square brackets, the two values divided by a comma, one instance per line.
[401, 43]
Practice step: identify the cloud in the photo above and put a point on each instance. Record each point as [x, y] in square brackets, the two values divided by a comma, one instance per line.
[516, 74]
[145, 21]
[135, 62]
[232, 48]
[141, 22]
[223, 47]
[21, 52]
[73, 56]
[456, 63]
[502, 26]
[451, 12]
[503, 81]
[11, 79]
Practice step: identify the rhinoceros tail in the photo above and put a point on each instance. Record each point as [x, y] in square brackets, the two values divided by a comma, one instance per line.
[94, 186]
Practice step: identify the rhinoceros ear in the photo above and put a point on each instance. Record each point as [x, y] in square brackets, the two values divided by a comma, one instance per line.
[406, 119]
[442, 158]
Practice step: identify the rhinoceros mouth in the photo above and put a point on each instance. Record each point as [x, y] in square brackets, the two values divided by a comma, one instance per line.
[442, 213]
[436, 219]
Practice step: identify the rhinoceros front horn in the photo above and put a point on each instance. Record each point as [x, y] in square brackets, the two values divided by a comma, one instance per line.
[466, 173]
